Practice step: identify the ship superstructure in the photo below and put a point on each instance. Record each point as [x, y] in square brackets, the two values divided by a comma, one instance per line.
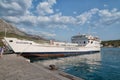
[86, 40]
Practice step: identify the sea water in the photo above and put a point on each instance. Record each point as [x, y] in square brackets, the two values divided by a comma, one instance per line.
[104, 65]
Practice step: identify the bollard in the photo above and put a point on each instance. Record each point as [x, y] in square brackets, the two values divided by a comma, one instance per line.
[53, 67]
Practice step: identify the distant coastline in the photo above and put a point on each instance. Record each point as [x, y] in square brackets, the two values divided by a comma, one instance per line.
[111, 43]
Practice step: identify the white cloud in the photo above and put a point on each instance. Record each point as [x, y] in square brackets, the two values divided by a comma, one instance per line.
[40, 33]
[11, 5]
[105, 13]
[86, 16]
[108, 17]
[45, 7]
[23, 29]
[43, 19]
[53, 21]
[12, 19]
[14, 7]
[47, 34]
[17, 11]
[25, 20]
[58, 26]
[58, 18]
[25, 17]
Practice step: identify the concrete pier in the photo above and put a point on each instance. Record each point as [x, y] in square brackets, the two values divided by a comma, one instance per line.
[13, 67]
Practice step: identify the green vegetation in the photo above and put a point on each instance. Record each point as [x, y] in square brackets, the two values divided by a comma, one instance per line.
[111, 43]
[22, 37]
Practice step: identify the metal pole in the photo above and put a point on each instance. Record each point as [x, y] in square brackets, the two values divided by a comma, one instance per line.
[5, 31]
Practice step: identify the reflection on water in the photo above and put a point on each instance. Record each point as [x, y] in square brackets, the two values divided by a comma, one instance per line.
[98, 66]
[106, 68]
[77, 65]
[73, 60]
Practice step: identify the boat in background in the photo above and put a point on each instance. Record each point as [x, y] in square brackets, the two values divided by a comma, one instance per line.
[80, 44]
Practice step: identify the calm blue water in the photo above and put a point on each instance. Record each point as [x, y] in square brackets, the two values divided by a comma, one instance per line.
[105, 66]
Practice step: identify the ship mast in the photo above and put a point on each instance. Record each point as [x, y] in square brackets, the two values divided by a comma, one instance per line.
[5, 31]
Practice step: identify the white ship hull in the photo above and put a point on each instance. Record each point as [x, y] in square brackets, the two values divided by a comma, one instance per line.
[30, 48]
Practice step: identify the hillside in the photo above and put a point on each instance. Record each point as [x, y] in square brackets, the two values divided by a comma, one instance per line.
[10, 28]
[111, 43]
[12, 31]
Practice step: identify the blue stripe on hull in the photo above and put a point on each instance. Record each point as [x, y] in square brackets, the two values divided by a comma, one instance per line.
[56, 54]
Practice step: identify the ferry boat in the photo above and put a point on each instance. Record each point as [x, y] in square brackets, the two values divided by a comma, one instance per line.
[80, 44]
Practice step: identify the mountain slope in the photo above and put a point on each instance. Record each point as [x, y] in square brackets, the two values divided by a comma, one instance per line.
[12, 31]
[10, 28]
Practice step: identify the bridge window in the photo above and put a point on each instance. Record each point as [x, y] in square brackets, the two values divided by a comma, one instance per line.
[10, 40]
[84, 42]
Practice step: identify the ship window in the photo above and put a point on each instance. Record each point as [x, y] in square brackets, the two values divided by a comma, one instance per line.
[91, 42]
[10, 40]
[84, 42]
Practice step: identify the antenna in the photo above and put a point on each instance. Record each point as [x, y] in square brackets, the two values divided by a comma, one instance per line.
[5, 31]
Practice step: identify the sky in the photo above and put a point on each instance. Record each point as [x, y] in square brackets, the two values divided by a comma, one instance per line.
[61, 19]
